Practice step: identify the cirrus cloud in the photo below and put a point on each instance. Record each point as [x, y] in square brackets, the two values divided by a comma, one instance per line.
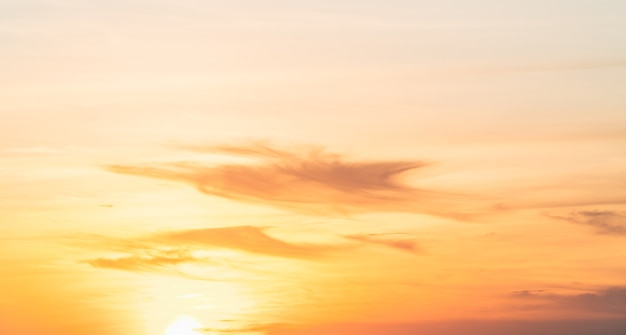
[307, 180]
[603, 221]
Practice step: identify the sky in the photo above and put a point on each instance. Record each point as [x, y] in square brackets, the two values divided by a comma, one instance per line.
[370, 167]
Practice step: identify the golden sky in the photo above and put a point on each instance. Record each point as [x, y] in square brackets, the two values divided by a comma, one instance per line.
[396, 167]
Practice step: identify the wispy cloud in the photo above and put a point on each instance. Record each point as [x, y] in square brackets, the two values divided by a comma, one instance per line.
[604, 221]
[178, 262]
[250, 328]
[611, 300]
[148, 261]
[167, 252]
[249, 239]
[308, 180]
[406, 245]
[170, 252]
[245, 238]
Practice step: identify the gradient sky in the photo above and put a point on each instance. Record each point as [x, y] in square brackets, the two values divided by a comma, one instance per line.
[453, 167]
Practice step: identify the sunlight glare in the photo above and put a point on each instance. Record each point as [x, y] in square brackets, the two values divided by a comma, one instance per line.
[183, 325]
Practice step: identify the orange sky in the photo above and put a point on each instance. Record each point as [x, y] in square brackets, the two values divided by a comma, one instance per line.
[330, 167]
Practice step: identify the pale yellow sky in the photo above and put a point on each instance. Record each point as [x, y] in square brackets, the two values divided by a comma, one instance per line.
[274, 167]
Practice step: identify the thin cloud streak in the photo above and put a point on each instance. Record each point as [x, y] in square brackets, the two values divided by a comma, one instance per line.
[162, 261]
[405, 245]
[256, 328]
[170, 262]
[610, 300]
[250, 239]
[144, 262]
[603, 221]
[244, 238]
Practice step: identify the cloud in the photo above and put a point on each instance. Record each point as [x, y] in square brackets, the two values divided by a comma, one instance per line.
[380, 239]
[249, 239]
[604, 221]
[478, 327]
[177, 252]
[178, 262]
[307, 180]
[611, 300]
[251, 328]
[244, 238]
[168, 252]
[526, 293]
[155, 260]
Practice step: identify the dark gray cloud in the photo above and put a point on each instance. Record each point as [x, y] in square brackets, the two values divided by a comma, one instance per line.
[610, 300]
[603, 221]
[307, 179]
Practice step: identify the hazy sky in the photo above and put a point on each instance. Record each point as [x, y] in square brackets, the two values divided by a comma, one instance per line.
[396, 167]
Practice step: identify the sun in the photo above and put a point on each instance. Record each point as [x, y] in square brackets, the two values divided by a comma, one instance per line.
[184, 325]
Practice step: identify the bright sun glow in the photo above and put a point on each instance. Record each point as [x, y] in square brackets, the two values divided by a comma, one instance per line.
[183, 325]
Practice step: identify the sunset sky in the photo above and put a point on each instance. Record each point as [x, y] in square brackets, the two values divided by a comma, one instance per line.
[328, 167]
